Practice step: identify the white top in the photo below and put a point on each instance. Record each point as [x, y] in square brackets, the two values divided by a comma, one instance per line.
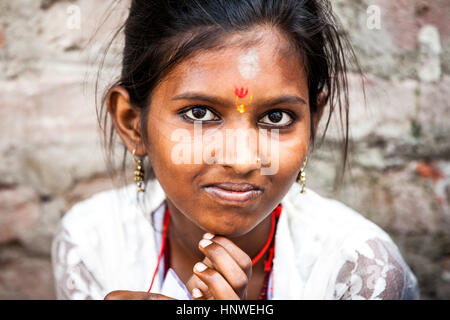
[324, 250]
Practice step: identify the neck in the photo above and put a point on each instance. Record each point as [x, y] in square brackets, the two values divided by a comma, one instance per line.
[184, 236]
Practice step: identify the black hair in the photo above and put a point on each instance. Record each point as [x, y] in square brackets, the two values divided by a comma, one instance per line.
[159, 34]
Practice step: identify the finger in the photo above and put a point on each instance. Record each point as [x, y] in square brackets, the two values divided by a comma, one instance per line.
[208, 262]
[135, 295]
[197, 294]
[242, 258]
[216, 283]
[225, 265]
[198, 289]
[195, 282]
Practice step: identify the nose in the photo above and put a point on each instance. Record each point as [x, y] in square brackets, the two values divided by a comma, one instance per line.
[242, 161]
[240, 150]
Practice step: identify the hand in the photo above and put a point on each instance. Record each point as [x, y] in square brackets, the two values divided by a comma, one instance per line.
[224, 273]
[135, 295]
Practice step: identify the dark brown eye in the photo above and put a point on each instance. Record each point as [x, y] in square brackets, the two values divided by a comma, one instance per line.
[200, 113]
[277, 117]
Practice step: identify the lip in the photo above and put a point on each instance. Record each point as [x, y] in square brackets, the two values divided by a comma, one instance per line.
[238, 193]
[236, 187]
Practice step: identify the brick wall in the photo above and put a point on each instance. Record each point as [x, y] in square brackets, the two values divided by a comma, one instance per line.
[51, 156]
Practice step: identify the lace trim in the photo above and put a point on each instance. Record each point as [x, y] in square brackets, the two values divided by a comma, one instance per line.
[379, 273]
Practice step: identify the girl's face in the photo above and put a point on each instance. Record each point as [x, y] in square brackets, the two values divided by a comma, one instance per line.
[200, 124]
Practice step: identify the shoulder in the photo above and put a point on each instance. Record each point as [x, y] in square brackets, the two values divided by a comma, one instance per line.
[95, 210]
[109, 233]
[98, 219]
[326, 218]
[360, 258]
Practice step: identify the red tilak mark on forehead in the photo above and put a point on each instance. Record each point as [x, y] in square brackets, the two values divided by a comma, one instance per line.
[240, 93]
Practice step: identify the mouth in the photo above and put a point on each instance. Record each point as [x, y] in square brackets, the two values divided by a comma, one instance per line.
[238, 193]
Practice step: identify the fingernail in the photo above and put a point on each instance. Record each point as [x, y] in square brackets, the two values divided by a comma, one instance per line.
[200, 267]
[196, 293]
[204, 243]
[208, 236]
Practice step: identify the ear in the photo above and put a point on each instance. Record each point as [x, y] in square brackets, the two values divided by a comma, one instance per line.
[321, 103]
[125, 119]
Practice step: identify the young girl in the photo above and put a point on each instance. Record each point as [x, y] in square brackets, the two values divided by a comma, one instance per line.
[200, 79]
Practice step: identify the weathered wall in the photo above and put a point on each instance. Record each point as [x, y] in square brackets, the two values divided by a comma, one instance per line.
[51, 156]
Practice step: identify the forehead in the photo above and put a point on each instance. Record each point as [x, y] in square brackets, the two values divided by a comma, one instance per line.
[260, 57]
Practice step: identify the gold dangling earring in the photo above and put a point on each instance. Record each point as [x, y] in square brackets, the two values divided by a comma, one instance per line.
[138, 173]
[301, 178]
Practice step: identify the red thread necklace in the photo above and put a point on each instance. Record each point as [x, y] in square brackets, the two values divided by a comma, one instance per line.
[269, 245]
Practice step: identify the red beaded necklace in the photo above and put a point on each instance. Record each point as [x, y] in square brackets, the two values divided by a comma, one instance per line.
[269, 245]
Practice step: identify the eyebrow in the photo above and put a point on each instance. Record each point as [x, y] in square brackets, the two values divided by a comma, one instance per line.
[217, 100]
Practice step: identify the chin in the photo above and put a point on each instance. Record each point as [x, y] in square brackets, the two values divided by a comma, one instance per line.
[228, 222]
[229, 230]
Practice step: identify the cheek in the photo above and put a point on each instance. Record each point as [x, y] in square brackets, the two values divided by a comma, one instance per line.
[292, 149]
[161, 136]
[166, 156]
[291, 156]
